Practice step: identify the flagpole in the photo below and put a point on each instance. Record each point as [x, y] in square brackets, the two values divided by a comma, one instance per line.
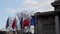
[29, 24]
[15, 30]
[22, 26]
[16, 26]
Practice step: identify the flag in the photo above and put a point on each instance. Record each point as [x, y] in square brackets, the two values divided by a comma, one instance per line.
[32, 29]
[7, 24]
[32, 21]
[32, 24]
[21, 22]
[14, 23]
[26, 22]
[26, 25]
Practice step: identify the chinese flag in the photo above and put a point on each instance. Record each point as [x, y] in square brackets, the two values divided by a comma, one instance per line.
[14, 23]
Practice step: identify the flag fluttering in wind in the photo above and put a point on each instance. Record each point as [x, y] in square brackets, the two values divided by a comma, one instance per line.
[26, 22]
[9, 20]
[14, 23]
[7, 24]
[21, 22]
[32, 21]
[32, 24]
[26, 25]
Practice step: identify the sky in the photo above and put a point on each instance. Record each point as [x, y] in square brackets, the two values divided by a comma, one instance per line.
[11, 7]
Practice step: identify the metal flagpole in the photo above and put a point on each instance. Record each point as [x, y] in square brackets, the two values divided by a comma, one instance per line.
[22, 29]
[16, 31]
[19, 16]
[22, 25]
[29, 24]
[16, 27]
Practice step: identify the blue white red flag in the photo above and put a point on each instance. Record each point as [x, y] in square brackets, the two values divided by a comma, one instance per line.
[32, 21]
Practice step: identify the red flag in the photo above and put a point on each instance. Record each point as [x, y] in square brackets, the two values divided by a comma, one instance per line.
[14, 23]
[26, 22]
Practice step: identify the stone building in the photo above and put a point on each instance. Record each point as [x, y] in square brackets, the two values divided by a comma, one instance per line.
[48, 22]
[45, 23]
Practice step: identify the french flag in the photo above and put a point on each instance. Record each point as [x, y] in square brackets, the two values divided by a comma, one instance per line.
[32, 24]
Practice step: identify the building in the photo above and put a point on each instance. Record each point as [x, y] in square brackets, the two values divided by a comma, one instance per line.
[48, 22]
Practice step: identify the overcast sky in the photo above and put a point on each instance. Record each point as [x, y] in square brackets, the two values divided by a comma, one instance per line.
[10, 7]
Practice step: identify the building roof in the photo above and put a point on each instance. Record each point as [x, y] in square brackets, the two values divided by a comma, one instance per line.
[46, 13]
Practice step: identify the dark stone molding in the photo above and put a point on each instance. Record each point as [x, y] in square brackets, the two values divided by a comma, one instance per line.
[55, 3]
[49, 13]
[45, 13]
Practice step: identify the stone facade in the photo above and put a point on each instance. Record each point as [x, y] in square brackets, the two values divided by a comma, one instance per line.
[48, 22]
[45, 23]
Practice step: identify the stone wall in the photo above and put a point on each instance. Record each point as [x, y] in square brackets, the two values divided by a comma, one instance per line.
[45, 24]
